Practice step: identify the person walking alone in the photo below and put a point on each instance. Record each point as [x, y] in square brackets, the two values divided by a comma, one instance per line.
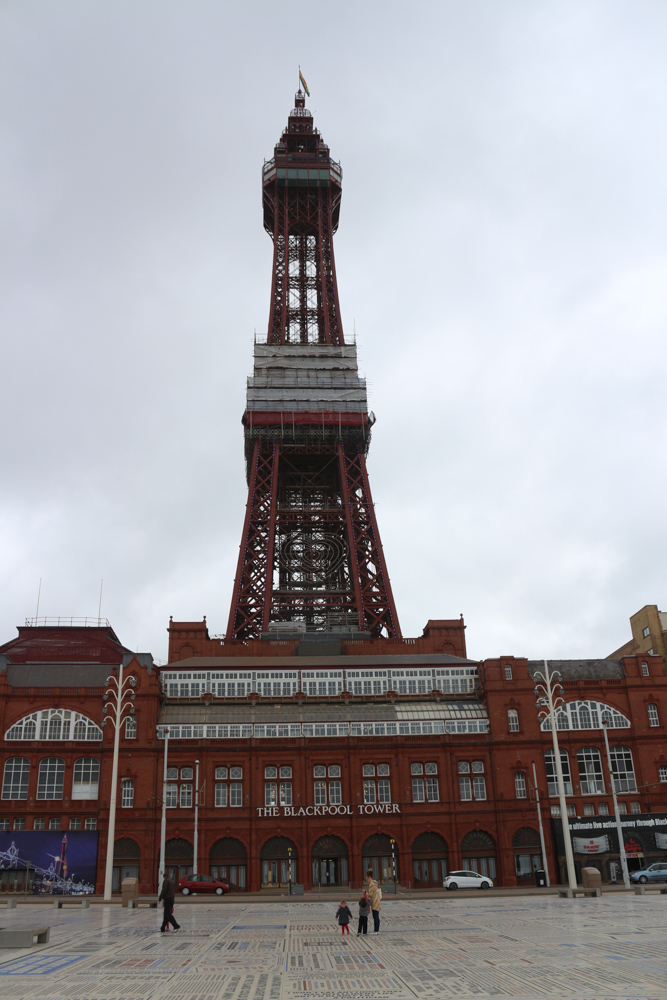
[343, 914]
[375, 896]
[167, 896]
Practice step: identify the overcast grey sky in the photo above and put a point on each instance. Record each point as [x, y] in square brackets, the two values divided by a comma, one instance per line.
[501, 251]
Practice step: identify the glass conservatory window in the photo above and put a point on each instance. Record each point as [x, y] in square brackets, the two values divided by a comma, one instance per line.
[54, 724]
[587, 715]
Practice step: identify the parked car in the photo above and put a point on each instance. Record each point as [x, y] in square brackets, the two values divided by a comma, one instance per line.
[654, 873]
[467, 880]
[201, 883]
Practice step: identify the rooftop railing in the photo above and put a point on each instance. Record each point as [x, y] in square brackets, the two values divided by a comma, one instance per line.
[68, 622]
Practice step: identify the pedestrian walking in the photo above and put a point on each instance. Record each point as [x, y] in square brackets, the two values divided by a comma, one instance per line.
[167, 896]
[364, 909]
[375, 893]
[343, 914]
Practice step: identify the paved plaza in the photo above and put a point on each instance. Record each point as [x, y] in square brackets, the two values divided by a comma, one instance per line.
[254, 950]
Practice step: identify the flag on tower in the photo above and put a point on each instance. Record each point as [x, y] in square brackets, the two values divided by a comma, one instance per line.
[305, 85]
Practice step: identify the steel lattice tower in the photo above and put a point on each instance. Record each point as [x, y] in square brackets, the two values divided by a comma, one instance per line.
[311, 557]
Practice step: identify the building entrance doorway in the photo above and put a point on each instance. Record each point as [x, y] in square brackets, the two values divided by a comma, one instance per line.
[228, 862]
[429, 860]
[279, 860]
[330, 862]
[478, 853]
[527, 854]
[178, 856]
[125, 862]
[377, 855]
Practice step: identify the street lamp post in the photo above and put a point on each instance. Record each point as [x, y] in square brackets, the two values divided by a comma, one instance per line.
[163, 825]
[118, 701]
[619, 828]
[549, 700]
[194, 866]
[539, 823]
[393, 862]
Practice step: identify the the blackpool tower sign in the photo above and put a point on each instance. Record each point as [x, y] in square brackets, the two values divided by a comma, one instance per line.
[285, 812]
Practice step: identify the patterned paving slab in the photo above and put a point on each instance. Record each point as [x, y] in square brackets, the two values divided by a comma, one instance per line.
[524, 948]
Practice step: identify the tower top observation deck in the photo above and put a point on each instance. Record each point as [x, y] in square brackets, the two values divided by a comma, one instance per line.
[302, 188]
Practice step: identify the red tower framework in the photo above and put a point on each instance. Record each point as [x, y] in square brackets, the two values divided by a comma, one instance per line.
[311, 557]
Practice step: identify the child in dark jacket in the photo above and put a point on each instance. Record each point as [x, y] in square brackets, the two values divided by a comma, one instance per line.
[364, 909]
[343, 914]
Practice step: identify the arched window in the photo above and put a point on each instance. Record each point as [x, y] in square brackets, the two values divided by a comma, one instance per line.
[16, 778]
[590, 771]
[513, 720]
[623, 769]
[478, 853]
[552, 782]
[279, 858]
[228, 862]
[131, 727]
[51, 778]
[329, 861]
[429, 860]
[376, 854]
[587, 715]
[653, 719]
[54, 724]
[86, 779]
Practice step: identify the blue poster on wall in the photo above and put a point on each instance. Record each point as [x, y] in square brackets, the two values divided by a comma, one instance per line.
[63, 863]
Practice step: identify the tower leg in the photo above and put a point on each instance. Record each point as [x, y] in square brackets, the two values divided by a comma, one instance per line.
[377, 607]
[251, 599]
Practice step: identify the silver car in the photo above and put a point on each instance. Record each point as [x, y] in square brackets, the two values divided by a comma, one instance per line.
[467, 880]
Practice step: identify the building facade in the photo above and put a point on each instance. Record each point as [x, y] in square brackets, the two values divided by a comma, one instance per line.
[322, 763]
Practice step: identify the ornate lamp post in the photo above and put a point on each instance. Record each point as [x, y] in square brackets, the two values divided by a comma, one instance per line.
[617, 815]
[163, 824]
[118, 702]
[549, 699]
[196, 844]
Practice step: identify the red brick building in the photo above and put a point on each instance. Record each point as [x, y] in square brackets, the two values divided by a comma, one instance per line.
[320, 752]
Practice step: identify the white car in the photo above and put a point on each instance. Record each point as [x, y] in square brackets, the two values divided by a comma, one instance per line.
[467, 880]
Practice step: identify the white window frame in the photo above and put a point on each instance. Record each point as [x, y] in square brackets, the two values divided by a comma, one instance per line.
[50, 779]
[85, 767]
[127, 794]
[16, 778]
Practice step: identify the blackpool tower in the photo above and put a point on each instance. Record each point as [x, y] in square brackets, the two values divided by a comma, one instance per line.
[311, 558]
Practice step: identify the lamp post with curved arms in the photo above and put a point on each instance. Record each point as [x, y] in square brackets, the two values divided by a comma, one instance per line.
[118, 702]
[617, 815]
[549, 699]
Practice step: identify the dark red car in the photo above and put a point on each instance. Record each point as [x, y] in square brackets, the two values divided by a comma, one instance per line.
[201, 883]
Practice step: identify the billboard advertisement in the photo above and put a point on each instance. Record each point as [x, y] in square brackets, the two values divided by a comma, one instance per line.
[592, 845]
[63, 863]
